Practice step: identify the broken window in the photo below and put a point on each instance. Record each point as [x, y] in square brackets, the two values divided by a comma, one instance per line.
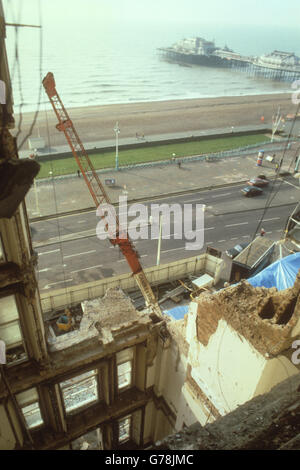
[125, 368]
[124, 429]
[90, 441]
[80, 391]
[10, 331]
[29, 403]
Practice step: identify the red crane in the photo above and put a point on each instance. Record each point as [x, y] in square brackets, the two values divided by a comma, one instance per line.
[98, 192]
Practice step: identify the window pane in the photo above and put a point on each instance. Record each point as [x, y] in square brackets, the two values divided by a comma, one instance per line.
[11, 334]
[80, 390]
[32, 415]
[124, 374]
[124, 429]
[8, 309]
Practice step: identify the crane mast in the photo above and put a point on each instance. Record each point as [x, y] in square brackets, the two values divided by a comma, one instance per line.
[98, 192]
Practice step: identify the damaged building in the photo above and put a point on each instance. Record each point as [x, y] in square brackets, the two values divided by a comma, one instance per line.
[86, 369]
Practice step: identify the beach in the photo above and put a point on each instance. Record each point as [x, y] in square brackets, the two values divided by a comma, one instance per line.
[156, 118]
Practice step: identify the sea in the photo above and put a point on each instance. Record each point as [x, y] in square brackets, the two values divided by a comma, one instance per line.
[119, 62]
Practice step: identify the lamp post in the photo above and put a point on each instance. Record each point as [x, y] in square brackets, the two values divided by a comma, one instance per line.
[159, 241]
[117, 131]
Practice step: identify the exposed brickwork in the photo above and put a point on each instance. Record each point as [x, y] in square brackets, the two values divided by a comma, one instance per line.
[265, 317]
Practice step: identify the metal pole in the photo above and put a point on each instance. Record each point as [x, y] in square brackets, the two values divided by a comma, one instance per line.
[159, 241]
[117, 131]
[36, 199]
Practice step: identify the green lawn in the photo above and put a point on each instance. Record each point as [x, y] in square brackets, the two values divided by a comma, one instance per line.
[67, 165]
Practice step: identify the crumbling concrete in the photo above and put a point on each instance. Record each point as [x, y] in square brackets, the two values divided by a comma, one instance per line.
[267, 422]
[268, 319]
[103, 318]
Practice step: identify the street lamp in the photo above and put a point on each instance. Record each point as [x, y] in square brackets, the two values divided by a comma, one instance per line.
[117, 131]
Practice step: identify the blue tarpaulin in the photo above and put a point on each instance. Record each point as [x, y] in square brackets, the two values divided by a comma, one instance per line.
[281, 274]
[177, 312]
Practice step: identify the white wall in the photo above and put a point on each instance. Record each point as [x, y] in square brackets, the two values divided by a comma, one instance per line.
[229, 370]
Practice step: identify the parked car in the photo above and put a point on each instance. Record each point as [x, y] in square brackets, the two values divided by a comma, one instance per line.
[236, 250]
[258, 182]
[251, 191]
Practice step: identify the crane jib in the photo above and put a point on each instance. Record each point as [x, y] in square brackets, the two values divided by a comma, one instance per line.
[97, 190]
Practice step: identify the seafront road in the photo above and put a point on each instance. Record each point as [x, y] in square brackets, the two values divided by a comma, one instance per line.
[70, 253]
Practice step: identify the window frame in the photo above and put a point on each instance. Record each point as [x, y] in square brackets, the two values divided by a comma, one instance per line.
[38, 401]
[121, 442]
[125, 387]
[98, 374]
[18, 321]
[132, 361]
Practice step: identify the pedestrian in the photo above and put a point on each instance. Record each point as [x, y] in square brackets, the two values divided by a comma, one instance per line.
[78, 173]
[262, 232]
[179, 164]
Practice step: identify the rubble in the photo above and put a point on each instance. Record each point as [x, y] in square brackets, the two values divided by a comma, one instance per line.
[267, 318]
[102, 318]
[267, 422]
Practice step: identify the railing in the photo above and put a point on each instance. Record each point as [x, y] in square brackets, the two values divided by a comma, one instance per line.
[237, 152]
[61, 298]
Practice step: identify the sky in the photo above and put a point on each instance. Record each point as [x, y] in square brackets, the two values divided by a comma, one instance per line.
[97, 13]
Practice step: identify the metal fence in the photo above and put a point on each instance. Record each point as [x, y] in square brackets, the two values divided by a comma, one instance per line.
[237, 152]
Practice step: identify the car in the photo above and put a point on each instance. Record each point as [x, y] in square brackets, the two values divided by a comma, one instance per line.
[250, 191]
[236, 250]
[258, 182]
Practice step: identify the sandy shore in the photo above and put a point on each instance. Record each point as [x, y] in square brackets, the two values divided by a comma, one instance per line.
[161, 117]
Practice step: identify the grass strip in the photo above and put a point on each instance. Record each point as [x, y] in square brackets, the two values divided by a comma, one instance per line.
[67, 165]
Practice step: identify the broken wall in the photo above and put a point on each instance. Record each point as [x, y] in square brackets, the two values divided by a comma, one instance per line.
[235, 337]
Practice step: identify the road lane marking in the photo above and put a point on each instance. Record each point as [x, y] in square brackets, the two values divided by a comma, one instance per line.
[235, 225]
[47, 252]
[81, 221]
[59, 282]
[173, 249]
[78, 254]
[291, 184]
[84, 269]
[221, 195]
[234, 238]
[274, 218]
[44, 270]
[221, 241]
[192, 200]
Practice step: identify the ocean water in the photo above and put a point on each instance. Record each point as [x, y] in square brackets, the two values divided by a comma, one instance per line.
[119, 63]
